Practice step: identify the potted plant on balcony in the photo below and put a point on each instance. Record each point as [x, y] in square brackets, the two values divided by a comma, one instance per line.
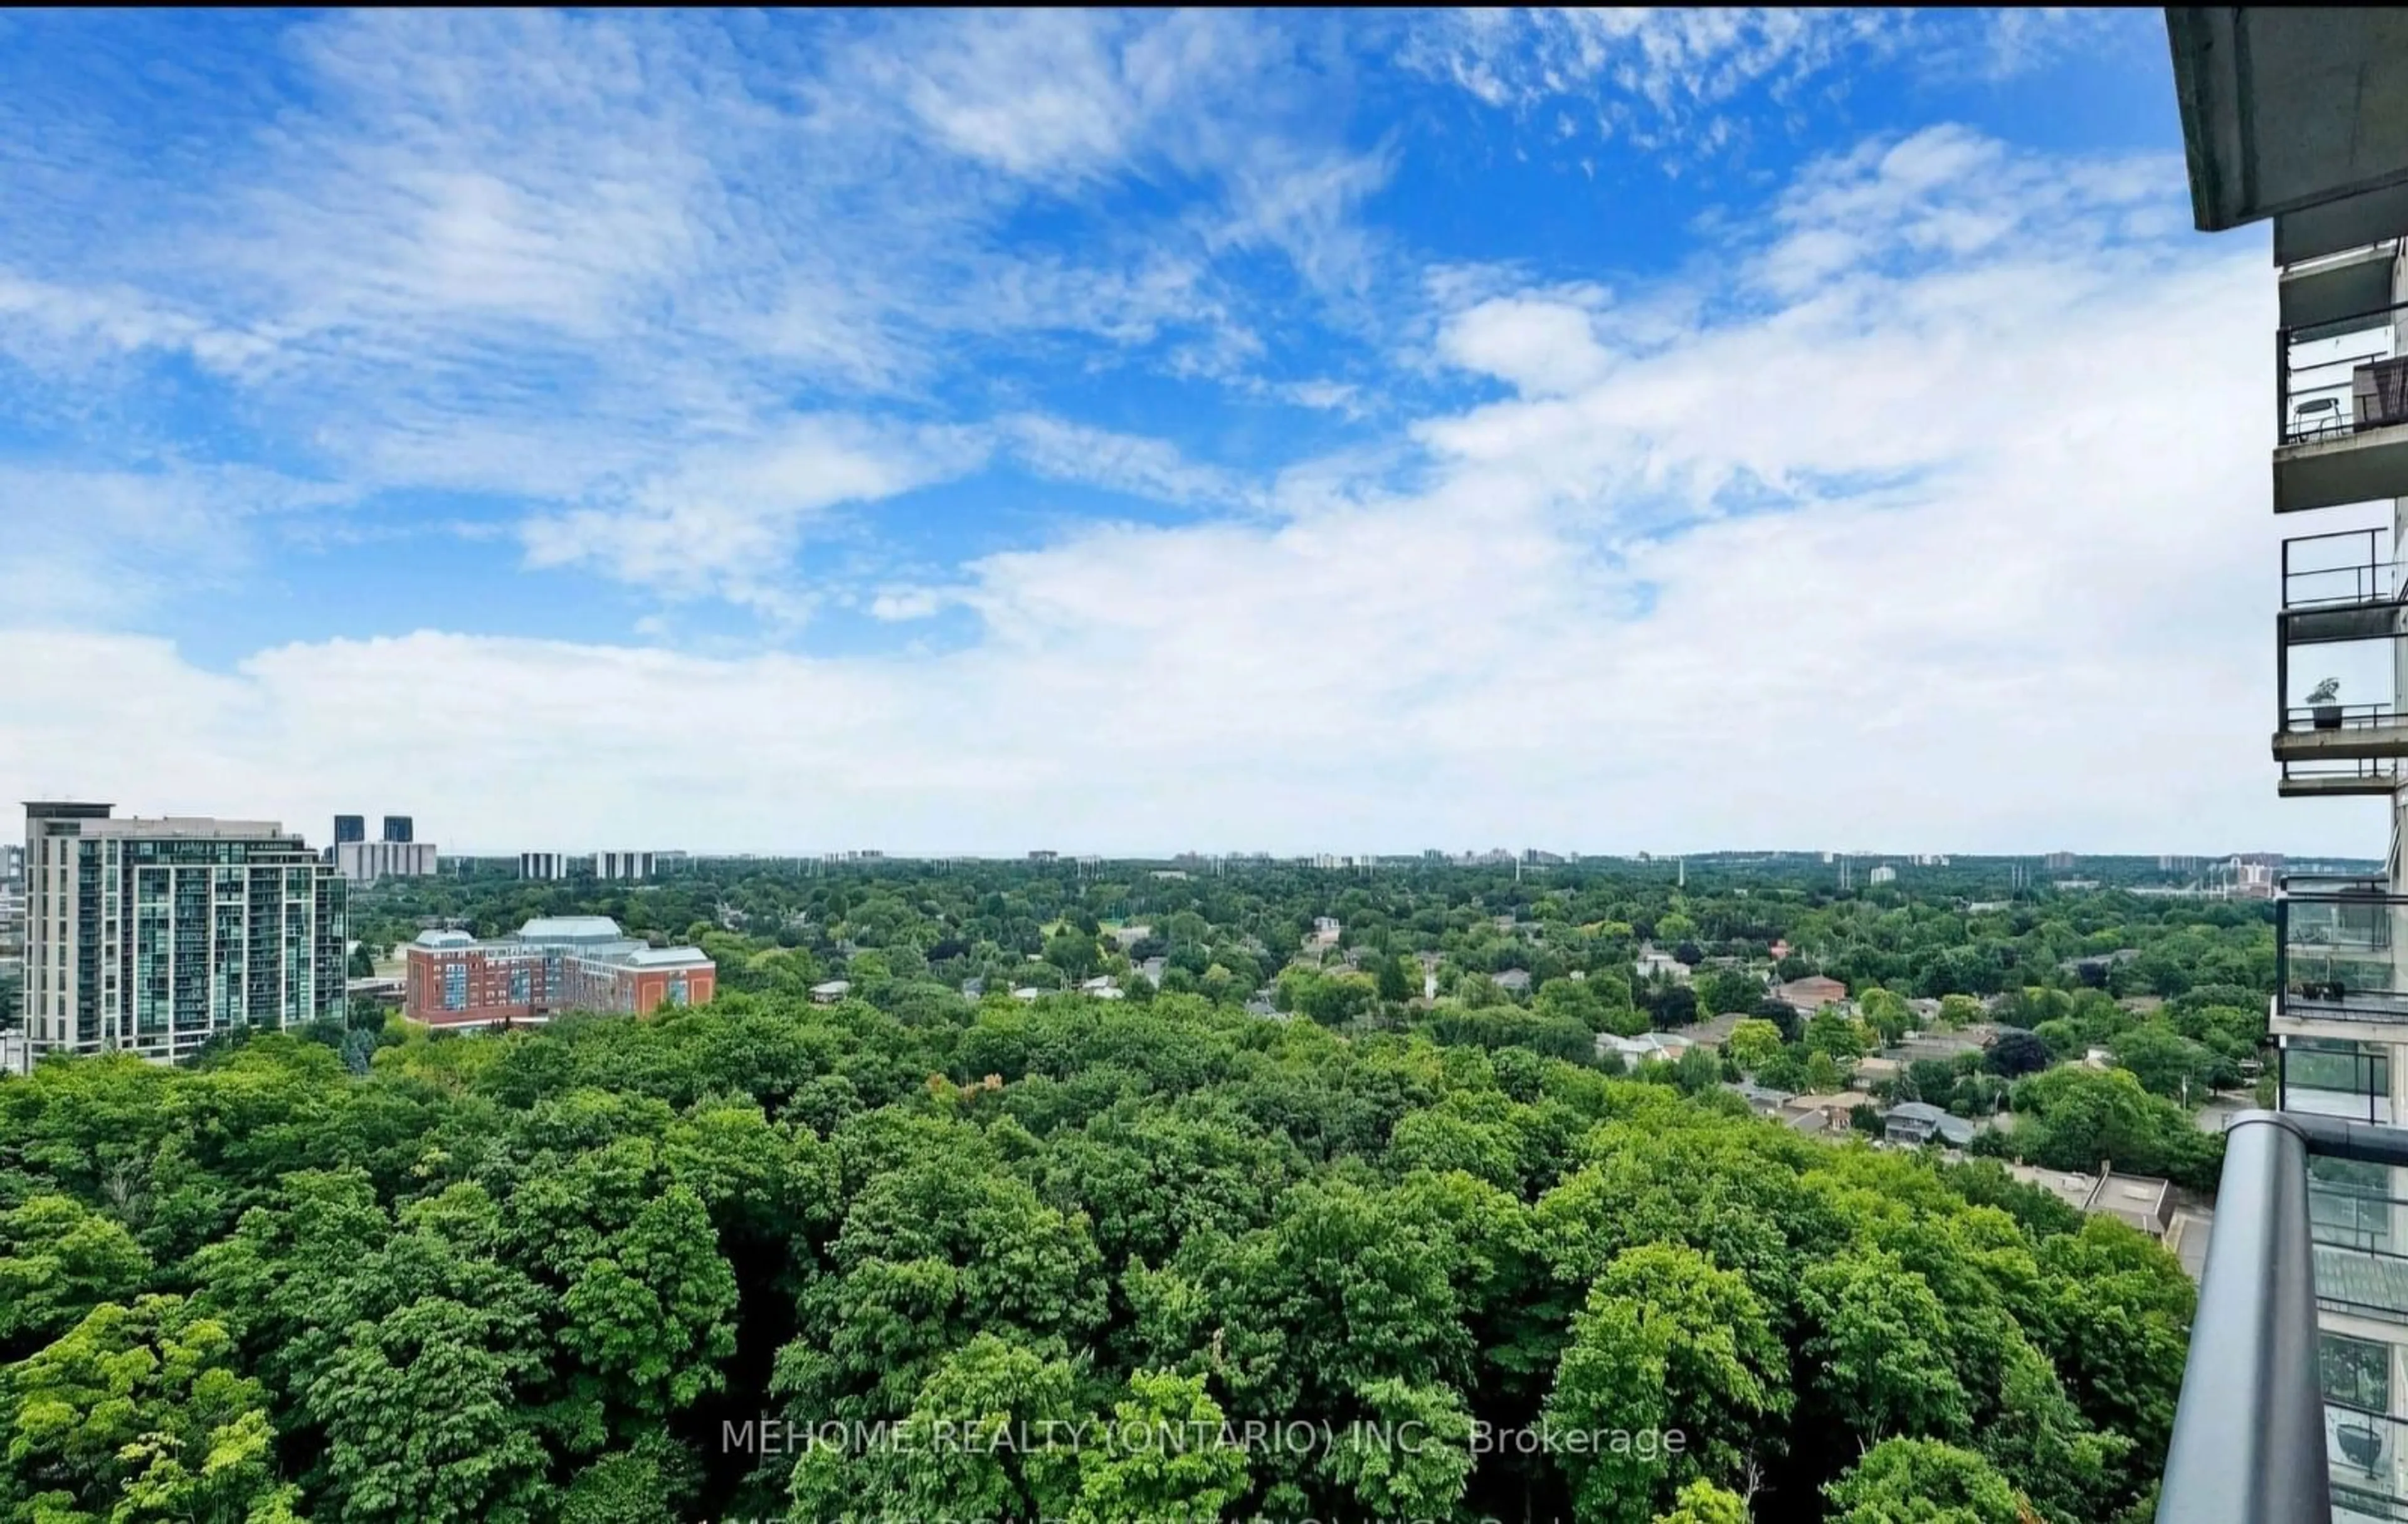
[2324, 701]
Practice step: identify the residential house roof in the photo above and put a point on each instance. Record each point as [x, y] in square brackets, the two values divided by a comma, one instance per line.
[2071, 1188]
[2143, 1201]
[1820, 1113]
[1646, 1047]
[1760, 1098]
[1812, 992]
[1931, 1120]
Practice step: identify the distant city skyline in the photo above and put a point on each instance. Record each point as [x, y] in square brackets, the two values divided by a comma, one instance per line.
[12, 825]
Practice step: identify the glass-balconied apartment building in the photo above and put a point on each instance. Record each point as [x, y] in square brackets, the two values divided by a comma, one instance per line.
[2295, 1404]
[151, 936]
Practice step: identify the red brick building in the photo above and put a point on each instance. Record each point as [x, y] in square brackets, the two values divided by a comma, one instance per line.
[555, 963]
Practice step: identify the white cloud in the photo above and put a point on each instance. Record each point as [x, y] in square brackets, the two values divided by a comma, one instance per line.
[1959, 575]
[903, 604]
[729, 519]
[1543, 348]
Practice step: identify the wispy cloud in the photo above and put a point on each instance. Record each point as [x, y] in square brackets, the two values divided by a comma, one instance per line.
[1677, 80]
[729, 520]
[623, 269]
[2043, 566]
[85, 548]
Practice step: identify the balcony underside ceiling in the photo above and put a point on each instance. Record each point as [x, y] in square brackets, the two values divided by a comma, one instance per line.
[2331, 291]
[2289, 109]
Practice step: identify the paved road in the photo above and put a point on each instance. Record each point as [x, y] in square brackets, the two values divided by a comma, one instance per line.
[2188, 1240]
[2213, 1116]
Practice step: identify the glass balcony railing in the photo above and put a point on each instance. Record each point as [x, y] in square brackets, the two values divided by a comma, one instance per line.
[2337, 954]
[2364, 1454]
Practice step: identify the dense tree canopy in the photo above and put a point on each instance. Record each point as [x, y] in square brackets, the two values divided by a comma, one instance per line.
[1371, 1255]
[536, 1276]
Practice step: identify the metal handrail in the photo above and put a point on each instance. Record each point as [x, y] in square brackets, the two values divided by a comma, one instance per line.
[2248, 1444]
[2352, 716]
[2360, 767]
[2371, 578]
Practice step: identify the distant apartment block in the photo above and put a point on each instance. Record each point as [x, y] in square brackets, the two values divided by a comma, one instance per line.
[365, 861]
[623, 865]
[542, 865]
[12, 901]
[12, 930]
[554, 964]
[396, 854]
[152, 936]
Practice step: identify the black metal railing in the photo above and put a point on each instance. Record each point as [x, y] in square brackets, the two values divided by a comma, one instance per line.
[2343, 717]
[2322, 571]
[2375, 772]
[2339, 377]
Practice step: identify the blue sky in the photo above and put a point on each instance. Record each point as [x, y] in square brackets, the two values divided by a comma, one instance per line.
[971, 432]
